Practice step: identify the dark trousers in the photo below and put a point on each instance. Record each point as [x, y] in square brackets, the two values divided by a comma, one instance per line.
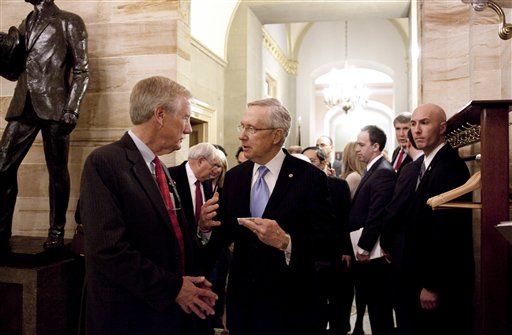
[336, 293]
[373, 280]
[16, 141]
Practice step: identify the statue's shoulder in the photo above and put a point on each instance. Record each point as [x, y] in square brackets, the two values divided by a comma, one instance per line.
[72, 18]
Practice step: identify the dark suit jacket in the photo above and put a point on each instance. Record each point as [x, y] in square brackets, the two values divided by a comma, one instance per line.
[370, 200]
[395, 220]
[55, 48]
[265, 295]
[340, 202]
[439, 247]
[133, 267]
[179, 175]
[407, 159]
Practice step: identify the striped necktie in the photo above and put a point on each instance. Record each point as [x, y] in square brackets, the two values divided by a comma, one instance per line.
[259, 193]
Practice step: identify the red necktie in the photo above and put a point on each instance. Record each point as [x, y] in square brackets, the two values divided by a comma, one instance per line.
[164, 189]
[400, 159]
[199, 200]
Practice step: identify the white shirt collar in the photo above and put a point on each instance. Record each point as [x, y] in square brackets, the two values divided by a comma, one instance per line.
[274, 167]
[190, 175]
[145, 151]
[370, 164]
[428, 159]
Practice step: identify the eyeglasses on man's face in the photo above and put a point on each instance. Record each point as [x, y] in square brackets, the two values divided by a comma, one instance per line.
[250, 129]
[214, 165]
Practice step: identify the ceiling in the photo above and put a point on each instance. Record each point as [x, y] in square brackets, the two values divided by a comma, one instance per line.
[289, 11]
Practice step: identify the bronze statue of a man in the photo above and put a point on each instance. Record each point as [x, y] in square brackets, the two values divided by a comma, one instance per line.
[51, 84]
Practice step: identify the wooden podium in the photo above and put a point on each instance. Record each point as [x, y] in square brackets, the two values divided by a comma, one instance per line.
[40, 291]
[487, 122]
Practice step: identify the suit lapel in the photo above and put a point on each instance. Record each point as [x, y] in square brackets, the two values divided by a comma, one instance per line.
[46, 16]
[285, 178]
[145, 179]
[367, 176]
[439, 156]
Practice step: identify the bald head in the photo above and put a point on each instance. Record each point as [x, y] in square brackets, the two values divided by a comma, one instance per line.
[428, 126]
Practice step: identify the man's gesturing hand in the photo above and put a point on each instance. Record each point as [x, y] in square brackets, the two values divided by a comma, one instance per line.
[208, 212]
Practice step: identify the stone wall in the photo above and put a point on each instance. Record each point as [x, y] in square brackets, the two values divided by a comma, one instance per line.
[128, 41]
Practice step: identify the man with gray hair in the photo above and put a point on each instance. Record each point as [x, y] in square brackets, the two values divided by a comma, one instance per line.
[141, 267]
[193, 180]
[275, 208]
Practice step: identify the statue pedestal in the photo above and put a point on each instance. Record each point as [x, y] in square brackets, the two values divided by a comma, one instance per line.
[40, 290]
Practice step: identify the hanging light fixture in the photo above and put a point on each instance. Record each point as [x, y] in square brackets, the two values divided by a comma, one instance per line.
[345, 89]
[505, 29]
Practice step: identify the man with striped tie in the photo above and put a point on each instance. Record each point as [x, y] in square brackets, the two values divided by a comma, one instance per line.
[140, 259]
[399, 158]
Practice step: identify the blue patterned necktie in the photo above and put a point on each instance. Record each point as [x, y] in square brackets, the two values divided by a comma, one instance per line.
[420, 176]
[259, 193]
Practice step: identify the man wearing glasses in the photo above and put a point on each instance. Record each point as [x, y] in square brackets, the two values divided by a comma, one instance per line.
[274, 208]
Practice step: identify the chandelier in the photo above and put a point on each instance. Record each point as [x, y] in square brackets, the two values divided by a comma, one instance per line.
[345, 89]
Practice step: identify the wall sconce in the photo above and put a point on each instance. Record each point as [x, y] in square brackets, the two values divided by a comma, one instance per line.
[505, 30]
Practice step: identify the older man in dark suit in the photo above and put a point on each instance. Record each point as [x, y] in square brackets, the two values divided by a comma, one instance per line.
[193, 180]
[46, 98]
[372, 276]
[141, 261]
[438, 255]
[271, 287]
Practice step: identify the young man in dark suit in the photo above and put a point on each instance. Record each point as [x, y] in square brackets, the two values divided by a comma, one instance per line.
[438, 256]
[372, 276]
[400, 158]
[141, 262]
[271, 288]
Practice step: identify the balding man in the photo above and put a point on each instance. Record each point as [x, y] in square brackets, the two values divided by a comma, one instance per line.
[438, 253]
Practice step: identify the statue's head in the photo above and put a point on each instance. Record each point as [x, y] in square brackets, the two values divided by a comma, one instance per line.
[37, 2]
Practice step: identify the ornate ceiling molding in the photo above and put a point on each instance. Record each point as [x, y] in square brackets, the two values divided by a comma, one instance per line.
[289, 65]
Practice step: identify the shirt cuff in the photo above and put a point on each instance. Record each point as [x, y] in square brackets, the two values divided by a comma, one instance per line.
[203, 237]
[362, 251]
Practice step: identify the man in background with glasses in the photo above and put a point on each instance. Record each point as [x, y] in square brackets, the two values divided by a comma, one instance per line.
[194, 173]
[275, 208]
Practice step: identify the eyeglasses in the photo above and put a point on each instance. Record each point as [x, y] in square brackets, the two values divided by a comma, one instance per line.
[250, 129]
[215, 166]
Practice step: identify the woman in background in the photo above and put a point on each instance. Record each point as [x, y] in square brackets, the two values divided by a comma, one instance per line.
[353, 172]
[352, 167]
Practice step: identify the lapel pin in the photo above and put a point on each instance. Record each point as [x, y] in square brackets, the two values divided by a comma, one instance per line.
[290, 175]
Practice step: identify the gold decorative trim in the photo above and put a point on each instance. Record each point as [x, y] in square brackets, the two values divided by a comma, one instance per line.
[289, 65]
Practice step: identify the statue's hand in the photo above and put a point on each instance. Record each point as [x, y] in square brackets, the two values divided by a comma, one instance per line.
[70, 117]
[68, 122]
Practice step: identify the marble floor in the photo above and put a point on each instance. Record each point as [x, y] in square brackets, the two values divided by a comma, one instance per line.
[366, 321]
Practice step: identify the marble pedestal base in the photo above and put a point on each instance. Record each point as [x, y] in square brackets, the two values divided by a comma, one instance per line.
[40, 291]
